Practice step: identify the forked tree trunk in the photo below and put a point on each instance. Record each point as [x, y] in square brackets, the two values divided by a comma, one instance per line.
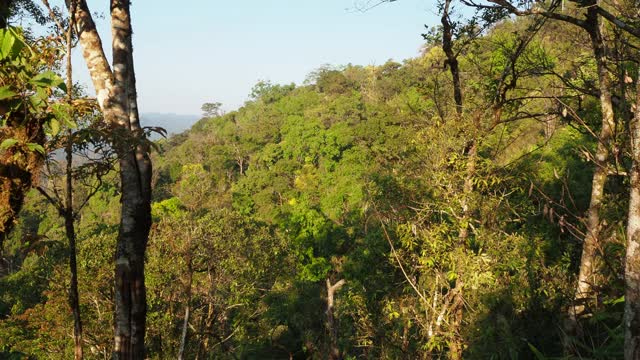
[632, 258]
[117, 98]
[332, 329]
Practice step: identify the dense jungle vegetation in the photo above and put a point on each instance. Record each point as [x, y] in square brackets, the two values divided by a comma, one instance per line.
[476, 201]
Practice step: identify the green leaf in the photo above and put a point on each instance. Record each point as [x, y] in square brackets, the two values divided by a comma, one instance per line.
[54, 126]
[536, 352]
[61, 112]
[48, 79]
[38, 99]
[615, 301]
[7, 143]
[6, 92]
[35, 147]
[6, 43]
[10, 44]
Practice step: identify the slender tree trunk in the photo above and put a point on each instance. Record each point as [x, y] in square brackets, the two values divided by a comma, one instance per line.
[187, 310]
[69, 218]
[74, 298]
[587, 276]
[632, 258]
[467, 190]
[334, 350]
[456, 347]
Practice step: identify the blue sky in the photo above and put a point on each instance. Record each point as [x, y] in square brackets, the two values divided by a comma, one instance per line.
[190, 52]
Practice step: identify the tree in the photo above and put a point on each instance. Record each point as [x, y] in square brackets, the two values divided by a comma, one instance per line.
[65, 206]
[589, 262]
[632, 256]
[212, 109]
[117, 98]
[84, 136]
[13, 8]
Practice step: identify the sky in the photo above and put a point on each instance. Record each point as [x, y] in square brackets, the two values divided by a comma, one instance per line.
[190, 52]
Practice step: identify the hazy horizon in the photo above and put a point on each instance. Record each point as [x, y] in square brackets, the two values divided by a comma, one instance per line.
[204, 38]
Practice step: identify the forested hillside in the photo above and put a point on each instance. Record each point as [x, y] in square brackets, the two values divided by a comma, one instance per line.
[472, 202]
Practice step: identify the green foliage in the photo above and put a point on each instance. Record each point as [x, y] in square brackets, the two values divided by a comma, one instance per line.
[26, 81]
[362, 174]
[168, 208]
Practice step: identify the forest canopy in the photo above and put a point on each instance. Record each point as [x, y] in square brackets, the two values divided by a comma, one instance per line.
[478, 201]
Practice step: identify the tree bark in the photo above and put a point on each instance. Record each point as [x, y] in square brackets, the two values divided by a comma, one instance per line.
[452, 59]
[334, 350]
[94, 56]
[587, 276]
[69, 214]
[74, 297]
[456, 347]
[135, 177]
[117, 98]
[632, 257]
[588, 261]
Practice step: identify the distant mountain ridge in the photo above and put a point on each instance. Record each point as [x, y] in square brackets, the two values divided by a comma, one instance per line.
[173, 123]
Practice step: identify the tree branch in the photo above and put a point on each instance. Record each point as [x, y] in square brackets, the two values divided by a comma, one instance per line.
[619, 23]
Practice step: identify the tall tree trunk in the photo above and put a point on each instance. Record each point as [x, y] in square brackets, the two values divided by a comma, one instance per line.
[332, 329]
[69, 214]
[116, 96]
[74, 297]
[135, 177]
[588, 261]
[456, 347]
[632, 258]
[587, 276]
